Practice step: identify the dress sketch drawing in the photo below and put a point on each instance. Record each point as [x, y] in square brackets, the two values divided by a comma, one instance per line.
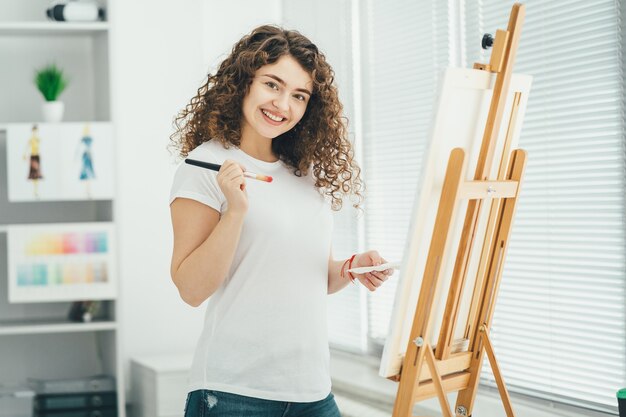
[87, 172]
[32, 148]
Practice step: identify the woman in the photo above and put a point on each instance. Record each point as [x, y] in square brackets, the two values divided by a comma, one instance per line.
[262, 251]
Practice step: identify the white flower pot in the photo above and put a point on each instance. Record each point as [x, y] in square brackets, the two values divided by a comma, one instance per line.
[53, 111]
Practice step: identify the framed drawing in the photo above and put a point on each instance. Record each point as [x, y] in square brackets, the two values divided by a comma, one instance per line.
[65, 161]
[61, 262]
[461, 112]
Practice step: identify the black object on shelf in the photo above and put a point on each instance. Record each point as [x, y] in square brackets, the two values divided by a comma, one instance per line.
[83, 311]
[93, 396]
[74, 11]
[95, 412]
[77, 401]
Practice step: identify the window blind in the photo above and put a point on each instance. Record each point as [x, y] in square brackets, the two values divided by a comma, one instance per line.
[333, 33]
[560, 319]
[405, 49]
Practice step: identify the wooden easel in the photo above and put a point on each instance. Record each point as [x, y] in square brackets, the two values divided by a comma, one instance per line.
[445, 370]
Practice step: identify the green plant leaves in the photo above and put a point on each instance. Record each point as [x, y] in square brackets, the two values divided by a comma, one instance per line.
[50, 81]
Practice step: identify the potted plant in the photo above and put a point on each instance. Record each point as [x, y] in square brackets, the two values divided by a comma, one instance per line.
[51, 82]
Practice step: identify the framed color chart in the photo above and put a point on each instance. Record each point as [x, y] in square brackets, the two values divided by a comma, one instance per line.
[61, 262]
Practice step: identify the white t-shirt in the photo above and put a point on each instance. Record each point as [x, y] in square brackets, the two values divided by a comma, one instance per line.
[265, 332]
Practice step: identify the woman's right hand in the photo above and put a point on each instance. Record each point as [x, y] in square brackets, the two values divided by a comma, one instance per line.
[233, 184]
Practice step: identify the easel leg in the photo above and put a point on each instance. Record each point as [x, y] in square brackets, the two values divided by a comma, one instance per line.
[504, 394]
[403, 407]
[441, 394]
[417, 351]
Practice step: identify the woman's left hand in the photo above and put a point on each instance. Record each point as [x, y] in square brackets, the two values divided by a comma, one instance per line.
[374, 279]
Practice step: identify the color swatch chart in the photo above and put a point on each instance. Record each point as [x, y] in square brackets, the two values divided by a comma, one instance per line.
[52, 259]
[61, 262]
[67, 243]
[56, 273]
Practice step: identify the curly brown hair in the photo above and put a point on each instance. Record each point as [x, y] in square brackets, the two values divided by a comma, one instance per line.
[319, 139]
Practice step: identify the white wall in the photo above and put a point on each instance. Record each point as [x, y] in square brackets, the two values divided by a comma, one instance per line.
[156, 64]
[331, 32]
[224, 23]
[159, 58]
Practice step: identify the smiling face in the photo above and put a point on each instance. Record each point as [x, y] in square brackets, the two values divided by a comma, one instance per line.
[277, 98]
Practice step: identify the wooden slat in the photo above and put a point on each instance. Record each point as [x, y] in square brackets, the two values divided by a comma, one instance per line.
[481, 66]
[500, 90]
[502, 173]
[504, 229]
[437, 383]
[510, 130]
[498, 51]
[455, 363]
[488, 189]
[495, 369]
[450, 383]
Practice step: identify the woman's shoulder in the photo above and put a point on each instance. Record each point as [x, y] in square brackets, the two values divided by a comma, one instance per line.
[211, 151]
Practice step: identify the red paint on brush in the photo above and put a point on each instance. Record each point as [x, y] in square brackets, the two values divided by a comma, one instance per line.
[265, 178]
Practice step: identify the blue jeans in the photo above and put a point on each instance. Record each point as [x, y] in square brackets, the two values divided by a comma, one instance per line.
[203, 403]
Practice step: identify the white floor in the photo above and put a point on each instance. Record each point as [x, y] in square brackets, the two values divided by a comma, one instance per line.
[351, 407]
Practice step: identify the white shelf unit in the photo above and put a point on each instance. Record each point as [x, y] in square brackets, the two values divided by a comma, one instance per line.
[36, 339]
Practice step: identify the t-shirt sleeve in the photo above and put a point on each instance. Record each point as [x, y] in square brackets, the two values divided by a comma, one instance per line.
[197, 184]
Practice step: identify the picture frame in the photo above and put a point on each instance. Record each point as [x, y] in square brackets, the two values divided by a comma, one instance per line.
[60, 161]
[61, 262]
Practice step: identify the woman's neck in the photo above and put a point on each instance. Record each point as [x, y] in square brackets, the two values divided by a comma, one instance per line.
[256, 146]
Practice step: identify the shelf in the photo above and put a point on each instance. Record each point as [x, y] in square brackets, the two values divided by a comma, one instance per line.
[52, 28]
[53, 326]
[37, 340]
